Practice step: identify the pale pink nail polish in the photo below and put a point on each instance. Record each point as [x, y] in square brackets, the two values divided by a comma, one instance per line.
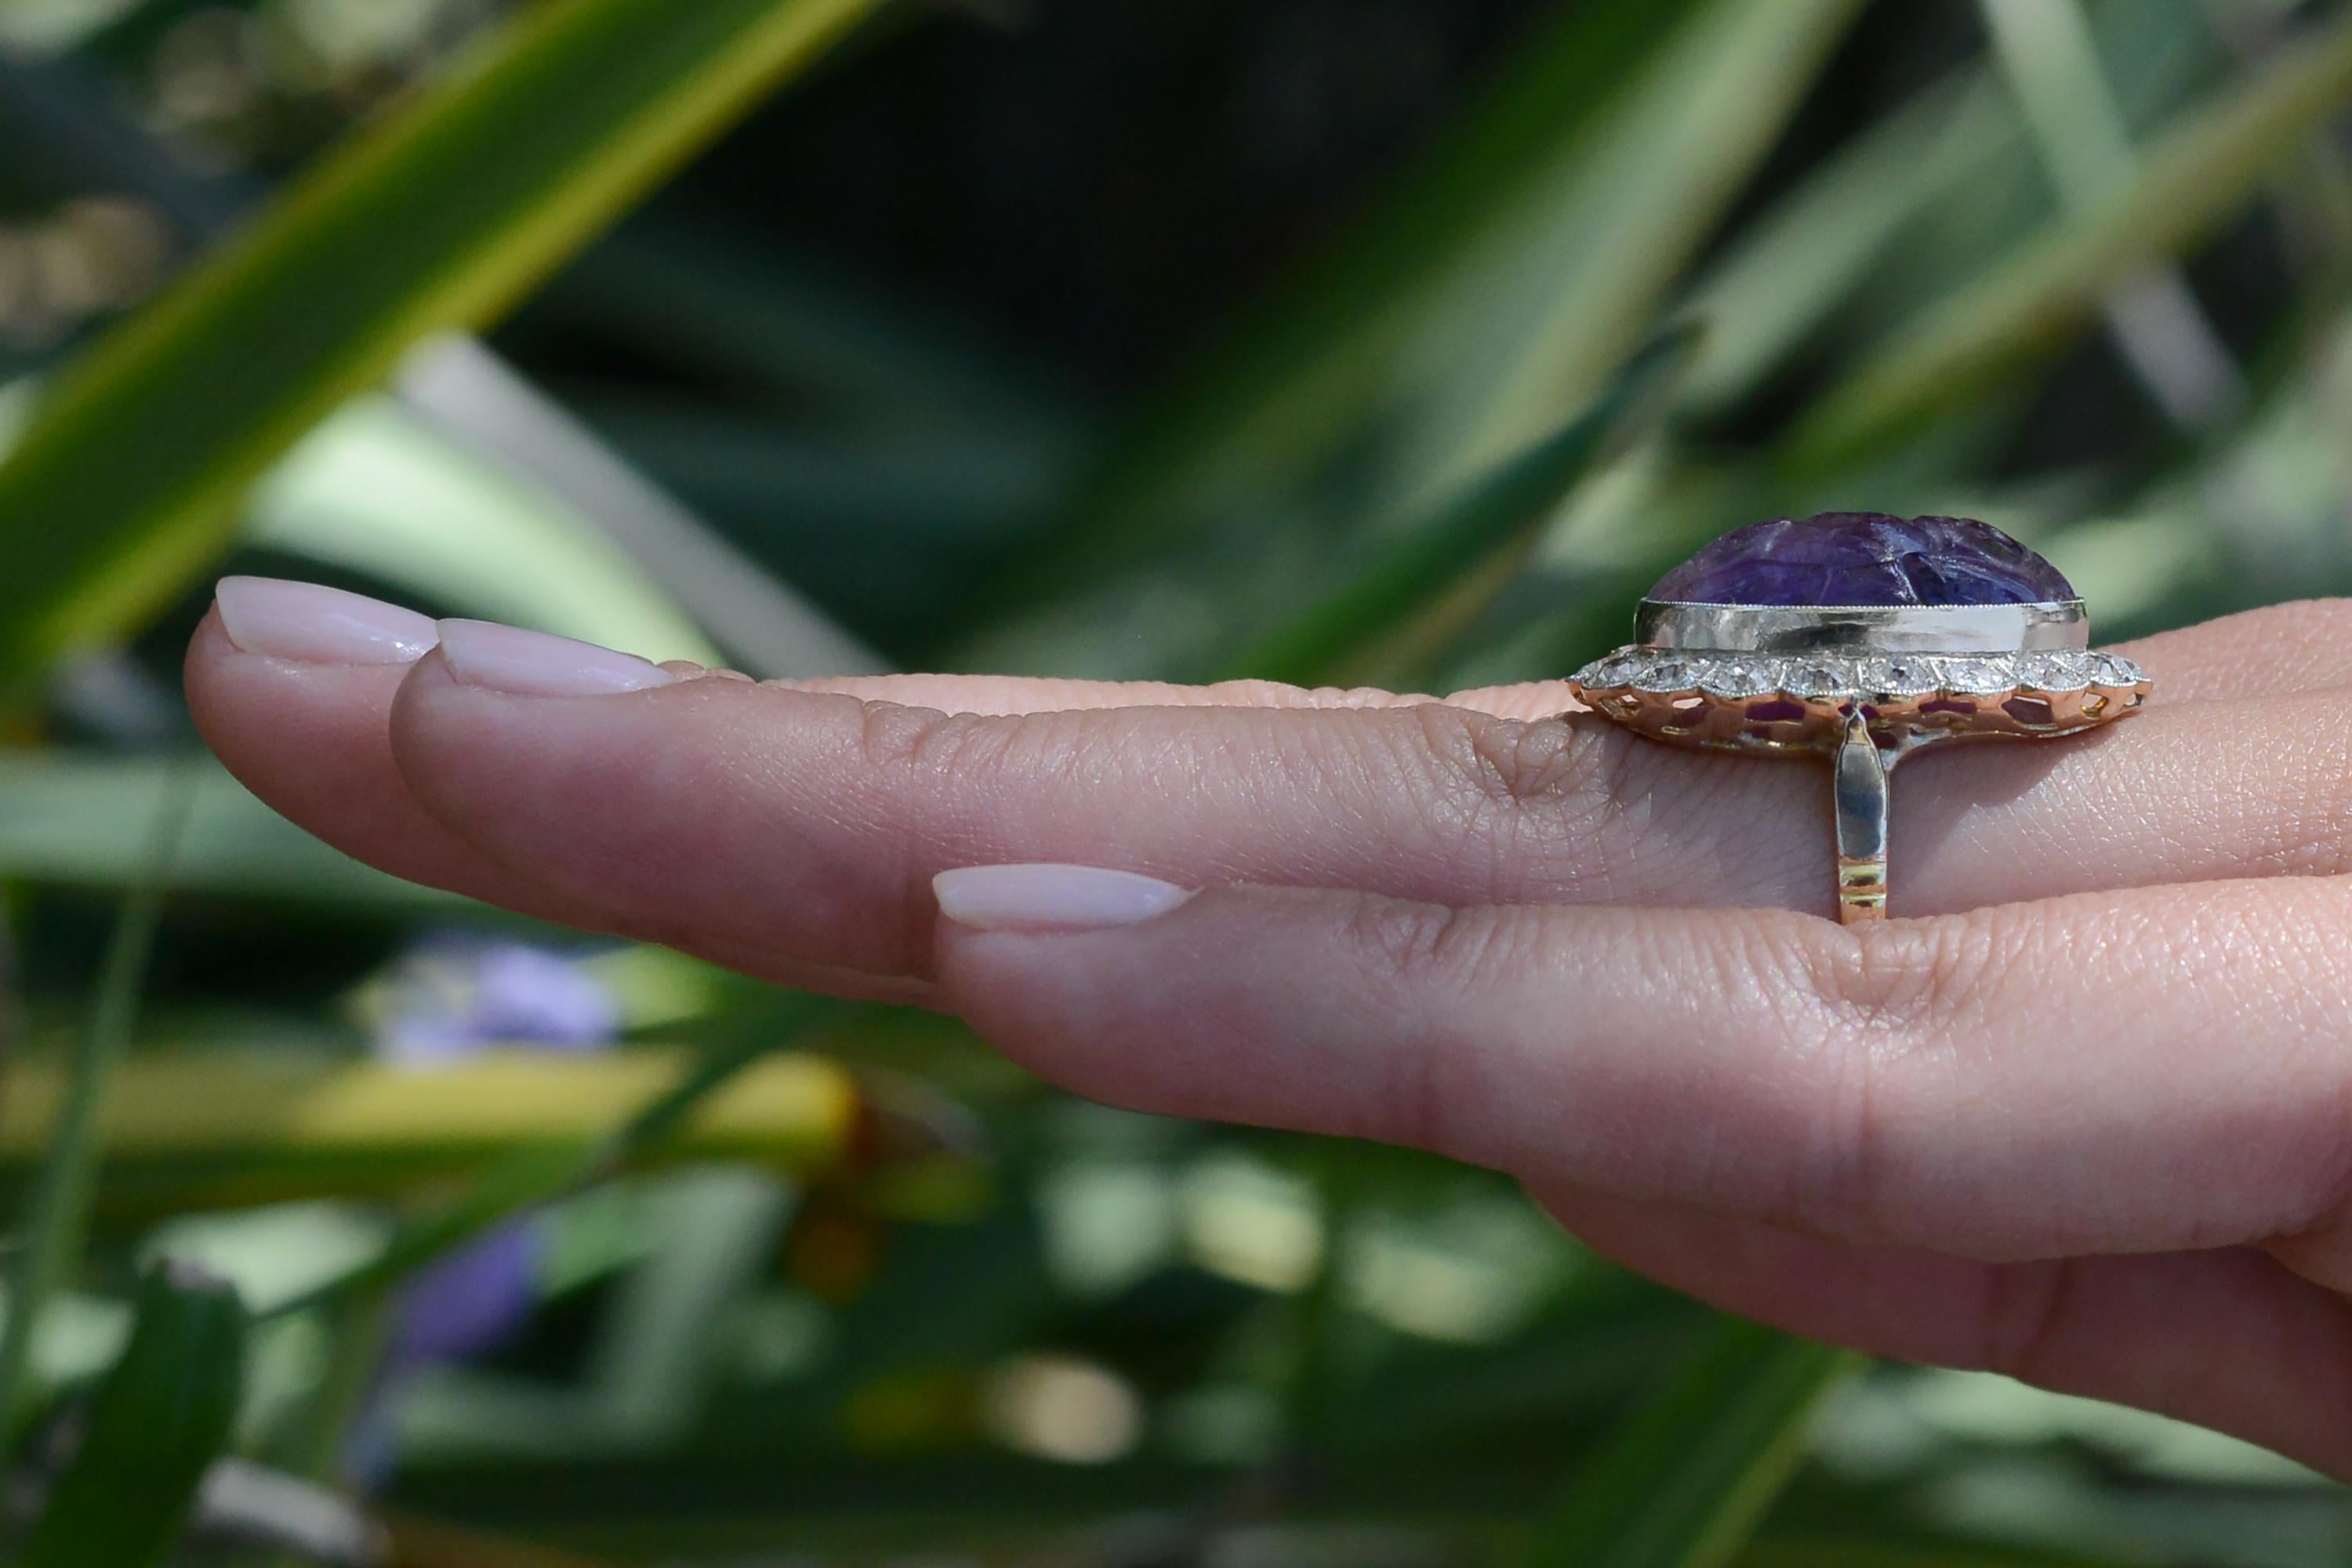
[540, 664]
[313, 625]
[1041, 898]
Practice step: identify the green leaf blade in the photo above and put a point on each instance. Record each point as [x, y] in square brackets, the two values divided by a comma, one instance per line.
[1292, 373]
[1500, 508]
[2189, 183]
[159, 1418]
[439, 218]
[1683, 1481]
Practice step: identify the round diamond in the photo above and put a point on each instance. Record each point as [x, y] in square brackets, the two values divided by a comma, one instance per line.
[1734, 677]
[1669, 672]
[1618, 668]
[2057, 670]
[1899, 675]
[2108, 670]
[1980, 675]
[1820, 678]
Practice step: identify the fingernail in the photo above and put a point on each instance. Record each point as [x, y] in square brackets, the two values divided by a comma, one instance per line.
[314, 624]
[540, 664]
[1051, 898]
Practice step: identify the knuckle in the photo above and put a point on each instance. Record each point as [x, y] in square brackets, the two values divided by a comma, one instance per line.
[926, 744]
[1839, 1184]
[1533, 806]
[1420, 957]
[1878, 1027]
[1901, 985]
[1504, 762]
[892, 738]
[1420, 950]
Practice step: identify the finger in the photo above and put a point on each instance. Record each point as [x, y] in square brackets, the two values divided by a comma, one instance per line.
[2224, 1338]
[327, 769]
[311, 737]
[310, 740]
[2031, 1082]
[2281, 648]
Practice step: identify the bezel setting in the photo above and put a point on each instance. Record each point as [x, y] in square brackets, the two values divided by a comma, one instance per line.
[1786, 679]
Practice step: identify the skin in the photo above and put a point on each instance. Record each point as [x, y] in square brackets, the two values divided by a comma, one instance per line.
[2084, 1115]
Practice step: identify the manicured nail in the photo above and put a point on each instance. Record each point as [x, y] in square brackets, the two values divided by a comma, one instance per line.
[315, 625]
[1051, 898]
[540, 664]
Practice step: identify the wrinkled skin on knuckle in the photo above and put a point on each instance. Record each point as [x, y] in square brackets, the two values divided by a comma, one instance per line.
[1476, 757]
[1419, 955]
[1420, 964]
[1908, 982]
[1797, 1145]
[1876, 1023]
[893, 737]
[1536, 806]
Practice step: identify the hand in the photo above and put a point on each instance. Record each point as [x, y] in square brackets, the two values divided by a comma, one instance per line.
[2084, 1117]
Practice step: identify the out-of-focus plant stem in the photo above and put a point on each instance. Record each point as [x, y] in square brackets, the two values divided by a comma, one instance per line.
[59, 1213]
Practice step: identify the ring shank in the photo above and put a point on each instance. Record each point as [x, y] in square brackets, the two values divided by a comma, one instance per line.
[1862, 806]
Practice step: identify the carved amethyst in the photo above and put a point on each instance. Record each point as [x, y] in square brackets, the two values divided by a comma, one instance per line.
[1864, 558]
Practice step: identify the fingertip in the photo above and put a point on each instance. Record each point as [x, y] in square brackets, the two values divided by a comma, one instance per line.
[312, 741]
[207, 644]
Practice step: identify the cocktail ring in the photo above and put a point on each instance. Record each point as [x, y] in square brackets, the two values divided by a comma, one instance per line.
[1864, 638]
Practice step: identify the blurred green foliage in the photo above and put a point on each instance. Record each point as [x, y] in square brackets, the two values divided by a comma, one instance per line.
[156, 1424]
[1611, 276]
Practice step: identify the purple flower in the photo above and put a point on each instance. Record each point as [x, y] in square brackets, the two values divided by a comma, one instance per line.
[470, 1301]
[450, 998]
[453, 996]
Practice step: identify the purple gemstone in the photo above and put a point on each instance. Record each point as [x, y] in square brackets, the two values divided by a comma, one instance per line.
[1864, 558]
